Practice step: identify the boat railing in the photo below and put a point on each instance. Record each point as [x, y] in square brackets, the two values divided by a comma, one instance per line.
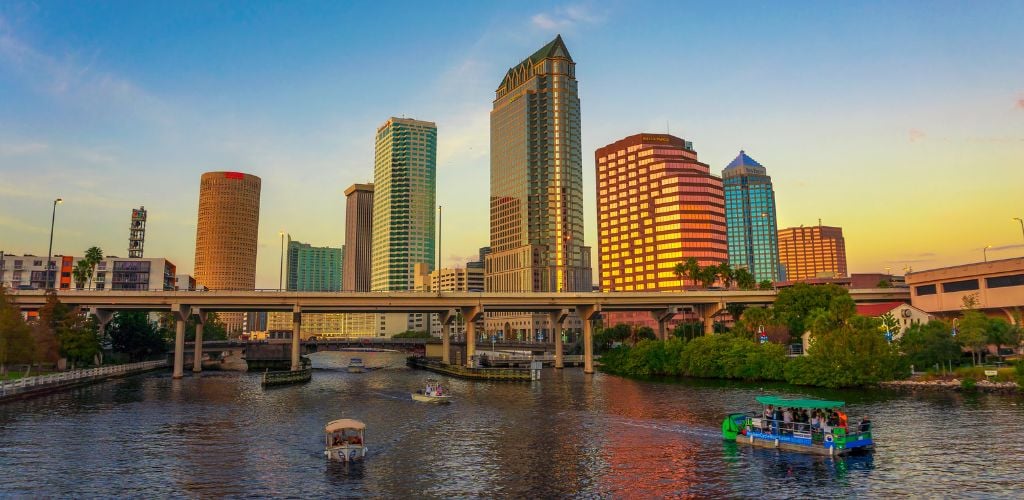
[807, 430]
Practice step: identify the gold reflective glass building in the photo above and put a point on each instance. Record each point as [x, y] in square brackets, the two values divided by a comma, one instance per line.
[536, 185]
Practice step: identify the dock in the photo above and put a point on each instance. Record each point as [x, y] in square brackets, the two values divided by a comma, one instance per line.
[458, 371]
[289, 377]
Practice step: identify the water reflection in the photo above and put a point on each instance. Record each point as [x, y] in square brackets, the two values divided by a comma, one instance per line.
[569, 434]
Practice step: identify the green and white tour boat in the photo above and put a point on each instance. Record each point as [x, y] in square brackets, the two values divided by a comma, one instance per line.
[803, 425]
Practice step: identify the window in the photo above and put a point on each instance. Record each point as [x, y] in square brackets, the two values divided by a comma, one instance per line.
[960, 286]
[926, 290]
[1004, 281]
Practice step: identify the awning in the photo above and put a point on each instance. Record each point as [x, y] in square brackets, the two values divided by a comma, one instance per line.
[799, 403]
[345, 423]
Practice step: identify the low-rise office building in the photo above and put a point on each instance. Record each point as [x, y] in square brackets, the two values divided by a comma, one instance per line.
[996, 287]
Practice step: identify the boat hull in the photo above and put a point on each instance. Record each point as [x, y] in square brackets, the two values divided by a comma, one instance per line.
[787, 443]
[355, 369]
[423, 398]
[347, 453]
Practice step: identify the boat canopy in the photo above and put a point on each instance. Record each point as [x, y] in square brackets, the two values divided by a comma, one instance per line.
[345, 423]
[799, 403]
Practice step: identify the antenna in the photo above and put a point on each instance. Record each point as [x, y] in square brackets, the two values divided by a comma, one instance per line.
[667, 130]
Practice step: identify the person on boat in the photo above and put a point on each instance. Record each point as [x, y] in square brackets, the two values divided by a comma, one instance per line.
[841, 419]
[787, 419]
[865, 424]
[815, 422]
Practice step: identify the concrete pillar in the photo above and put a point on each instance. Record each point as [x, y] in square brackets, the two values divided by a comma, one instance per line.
[662, 316]
[179, 348]
[180, 314]
[470, 315]
[586, 314]
[447, 318]
[557, 320]
[197, 346]
[103, 318]
[708, 312]
[296, 334]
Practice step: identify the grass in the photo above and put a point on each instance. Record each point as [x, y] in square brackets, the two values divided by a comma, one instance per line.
[1005, 374]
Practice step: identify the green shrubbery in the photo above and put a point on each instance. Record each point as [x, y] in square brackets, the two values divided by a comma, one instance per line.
[718, 356]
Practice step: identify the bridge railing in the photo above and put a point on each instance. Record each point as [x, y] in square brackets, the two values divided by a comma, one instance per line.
[11, 387]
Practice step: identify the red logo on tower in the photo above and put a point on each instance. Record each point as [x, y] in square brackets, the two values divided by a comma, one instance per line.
[234, 175]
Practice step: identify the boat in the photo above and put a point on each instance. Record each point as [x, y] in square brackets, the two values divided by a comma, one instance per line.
[433, 392]
[826, 436]
[355, 365]
[345, 440]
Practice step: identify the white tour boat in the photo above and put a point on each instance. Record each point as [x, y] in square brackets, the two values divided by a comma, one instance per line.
[345, 440]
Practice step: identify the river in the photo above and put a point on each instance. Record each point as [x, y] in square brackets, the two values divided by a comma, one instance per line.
[569, 434]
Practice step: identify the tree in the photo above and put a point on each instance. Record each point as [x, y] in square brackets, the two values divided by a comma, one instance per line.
[689, 330]
[794, 305]
[973, 329]
[765, 285]
[744, 279]
[44, 329]
[81, 273]
[929, 344]
[689, 269]
[93, 256]
[753, 319]
[1000, 332]
[726, 273]
[16, 344]
[133, 334]
[707, 276]
[884, 284]
[854, 354]
[79, 338]
[890, 325]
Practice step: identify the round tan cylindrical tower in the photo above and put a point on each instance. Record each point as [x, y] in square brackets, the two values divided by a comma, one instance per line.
[227, 234]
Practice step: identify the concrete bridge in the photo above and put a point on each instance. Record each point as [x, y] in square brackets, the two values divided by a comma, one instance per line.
[448, 305]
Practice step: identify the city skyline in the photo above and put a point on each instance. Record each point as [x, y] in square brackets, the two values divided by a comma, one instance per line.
[87, 113]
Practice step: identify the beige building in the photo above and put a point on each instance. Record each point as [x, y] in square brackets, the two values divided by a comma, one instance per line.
[449, 280]
[319, 325]
[227, 234]
[996, 287]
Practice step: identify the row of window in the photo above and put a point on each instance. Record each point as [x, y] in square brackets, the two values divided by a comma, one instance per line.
[972, 284]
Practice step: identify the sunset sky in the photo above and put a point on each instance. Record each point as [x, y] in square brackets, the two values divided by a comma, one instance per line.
[901, 122]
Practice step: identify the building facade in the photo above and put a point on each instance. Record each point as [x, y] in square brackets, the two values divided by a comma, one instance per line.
[657, 206]
[404, 187]
[358, 238]
[112, 273]
[536, 203]
[313, 269]
[750, 219]
[137, 233]
[470, 279]
[812, 252]
[995, 287]
[227, 234]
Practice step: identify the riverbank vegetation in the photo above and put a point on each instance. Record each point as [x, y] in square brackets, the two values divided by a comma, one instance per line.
[845, 349]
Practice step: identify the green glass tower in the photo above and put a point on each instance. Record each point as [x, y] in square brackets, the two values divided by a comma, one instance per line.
[404, 185]
[750, 219]
[313, 269]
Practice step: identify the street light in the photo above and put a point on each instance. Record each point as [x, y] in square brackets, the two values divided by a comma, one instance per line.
[280, 274]
[49, 252]
[984, 252]
[1018, 219]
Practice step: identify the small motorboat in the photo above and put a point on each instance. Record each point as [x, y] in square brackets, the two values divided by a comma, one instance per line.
[355, 365]
[433, 392]
[345, 440]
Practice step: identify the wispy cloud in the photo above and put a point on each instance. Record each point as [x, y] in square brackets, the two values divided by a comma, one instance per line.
[1020, 103]
[917, 135]
[22, 149]
[567, 17]
[1005, 247]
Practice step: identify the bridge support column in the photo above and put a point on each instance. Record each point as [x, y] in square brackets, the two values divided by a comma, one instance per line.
[470, 315]
[557, 320]
[197, 356]
[708, 312]
[181, 314]
[587, 314]
[662, 316]
[447, 318]
[296, 334]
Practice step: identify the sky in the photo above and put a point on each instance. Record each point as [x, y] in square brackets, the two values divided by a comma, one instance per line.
[901, 122]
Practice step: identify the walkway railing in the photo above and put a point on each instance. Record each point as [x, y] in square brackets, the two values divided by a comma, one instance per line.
[11, 387]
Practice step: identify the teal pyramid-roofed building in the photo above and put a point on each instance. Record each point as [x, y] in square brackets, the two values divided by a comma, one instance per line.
[750, 219]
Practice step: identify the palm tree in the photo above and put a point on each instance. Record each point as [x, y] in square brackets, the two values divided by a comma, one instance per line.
[80, 273]
[693, 269]
[707, 276]
[726, 274]
[93, 256]
[744, 279]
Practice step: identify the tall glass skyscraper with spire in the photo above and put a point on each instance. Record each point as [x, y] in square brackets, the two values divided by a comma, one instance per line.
[537, 186]
[750, 219]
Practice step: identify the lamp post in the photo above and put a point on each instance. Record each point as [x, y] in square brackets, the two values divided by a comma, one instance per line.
[984, 252]
[1018, 219]
[280, 274]
[49, 252]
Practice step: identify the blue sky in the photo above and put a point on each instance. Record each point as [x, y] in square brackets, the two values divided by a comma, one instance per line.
[902, 122]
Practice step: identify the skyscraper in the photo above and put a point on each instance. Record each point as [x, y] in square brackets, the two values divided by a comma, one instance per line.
[227, 234]
[137, 233]
[812, 252]
[313, 269]
[358, 238]
[750, 219]
[404, 185]
[537, 184]
[657, 205]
